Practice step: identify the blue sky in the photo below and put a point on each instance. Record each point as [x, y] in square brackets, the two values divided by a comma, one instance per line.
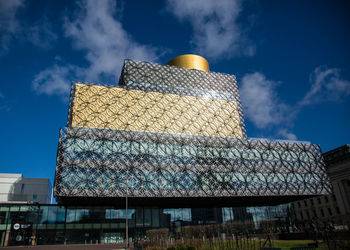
[292, 62]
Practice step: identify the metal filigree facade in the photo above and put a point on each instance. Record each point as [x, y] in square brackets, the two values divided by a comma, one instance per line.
[147, 111]
[172, 132]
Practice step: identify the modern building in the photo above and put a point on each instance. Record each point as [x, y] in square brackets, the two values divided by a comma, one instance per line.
[16, 188]
[331, 209]
[169, 143]
[175, 135]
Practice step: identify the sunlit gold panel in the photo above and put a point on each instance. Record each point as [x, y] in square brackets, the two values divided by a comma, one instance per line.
[190, 61]
[136, 110]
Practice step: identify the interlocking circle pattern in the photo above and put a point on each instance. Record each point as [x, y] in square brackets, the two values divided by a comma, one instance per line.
[171, 132]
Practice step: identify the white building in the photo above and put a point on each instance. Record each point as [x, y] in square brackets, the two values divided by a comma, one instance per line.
[16, 188]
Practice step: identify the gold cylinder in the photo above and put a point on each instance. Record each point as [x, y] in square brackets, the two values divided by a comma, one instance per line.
[190, 61]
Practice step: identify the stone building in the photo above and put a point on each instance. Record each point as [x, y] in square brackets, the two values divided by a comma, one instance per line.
[334, 208]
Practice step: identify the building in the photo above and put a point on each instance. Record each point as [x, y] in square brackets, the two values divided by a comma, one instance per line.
[176, 135]
[16, 188]
[334, 208]
[338, 169]
[169, 143]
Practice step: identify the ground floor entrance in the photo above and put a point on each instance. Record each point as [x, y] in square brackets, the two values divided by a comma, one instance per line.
[54, 224]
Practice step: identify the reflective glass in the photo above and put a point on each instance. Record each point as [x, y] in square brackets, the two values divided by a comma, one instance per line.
[61, 214]
[147, 217]
[43, 214]
[70, 215]
[155, 217]
[52, 215]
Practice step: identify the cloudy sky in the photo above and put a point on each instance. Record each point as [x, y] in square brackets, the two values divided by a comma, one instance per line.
[292, 62]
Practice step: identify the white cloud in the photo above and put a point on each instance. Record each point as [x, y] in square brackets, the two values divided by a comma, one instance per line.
[287, 135]
[9, 25]
[41, 34]
[107, 44]
[263, 107]
[260, 101]
[326, 85]
[214, 22]
[54, 80]
[94, 30]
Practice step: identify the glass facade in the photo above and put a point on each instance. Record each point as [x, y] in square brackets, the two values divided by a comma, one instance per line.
[154, 165]
[54, 224]
[173, 132]
[167, 134]
[122, 151]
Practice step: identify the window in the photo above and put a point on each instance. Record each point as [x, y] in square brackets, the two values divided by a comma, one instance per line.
[330, 211]
[305, 203]
[326, 199]
[338, 210]
[22, 188]
[307, 214]
[3, 214]
[334, 198]
[312, 202]
[322, 213]
[319, 200]
[35, 198]
[301, 215]
[299, 205]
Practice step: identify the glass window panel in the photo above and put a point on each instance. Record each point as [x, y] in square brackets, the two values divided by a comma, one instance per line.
[114, 214]
[147, 217]
[32, 214]
[186, 214]
[81, 215]
[131, 217]
[226, 214]
[24, 208]
[4, 208]
[98, 215]
[52, 215]
[139, 217]
[155, 217]
[43, 214]
[14, 208]
[178, 214]
[70, 215]
[61, 214]
[3, 217]
[117, 217]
